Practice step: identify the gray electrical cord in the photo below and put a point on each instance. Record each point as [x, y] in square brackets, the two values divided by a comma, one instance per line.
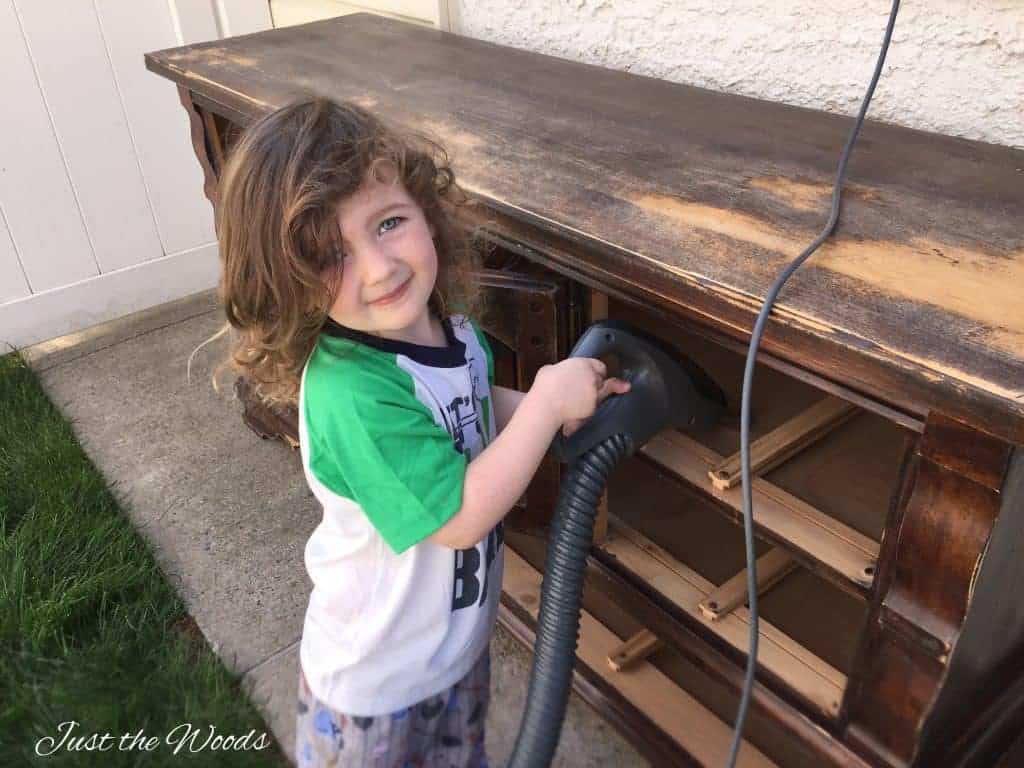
[748, 378]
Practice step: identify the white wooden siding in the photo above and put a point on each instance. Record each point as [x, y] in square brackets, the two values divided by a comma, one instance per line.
[242, 17]
[425, 12]
[40, 209]
[12, 276]
[75, 77]
[102, 210]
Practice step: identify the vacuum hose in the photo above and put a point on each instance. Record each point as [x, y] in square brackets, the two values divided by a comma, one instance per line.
[666, 390]
[561, 600]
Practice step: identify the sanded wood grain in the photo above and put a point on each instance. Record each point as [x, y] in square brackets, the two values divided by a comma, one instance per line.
[772, 567]
[697, 199]
[845, 554]
[785, 441]
[697, 730]
[811, 677]
[638, 647]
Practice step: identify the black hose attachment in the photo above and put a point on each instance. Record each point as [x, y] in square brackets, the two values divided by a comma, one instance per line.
[561, 597]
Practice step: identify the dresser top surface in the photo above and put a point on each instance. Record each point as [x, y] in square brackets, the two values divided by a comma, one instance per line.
[671, 185]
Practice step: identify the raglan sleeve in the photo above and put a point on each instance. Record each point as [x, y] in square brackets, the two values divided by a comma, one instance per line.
[390, 457]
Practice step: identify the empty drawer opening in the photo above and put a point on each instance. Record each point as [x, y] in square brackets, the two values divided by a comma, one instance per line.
[824, 472]
[671, 540]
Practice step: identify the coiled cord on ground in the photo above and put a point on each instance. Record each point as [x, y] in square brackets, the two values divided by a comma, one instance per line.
[561, 597]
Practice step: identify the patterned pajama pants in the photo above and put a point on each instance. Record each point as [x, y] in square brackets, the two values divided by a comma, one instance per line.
[445, 730]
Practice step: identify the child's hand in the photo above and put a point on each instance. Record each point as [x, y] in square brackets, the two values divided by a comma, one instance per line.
[609, 387]
[574, 388]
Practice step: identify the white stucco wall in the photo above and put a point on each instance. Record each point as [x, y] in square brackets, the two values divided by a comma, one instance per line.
[954, 66]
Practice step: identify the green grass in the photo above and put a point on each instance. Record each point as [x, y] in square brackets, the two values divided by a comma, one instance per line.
[90, 629]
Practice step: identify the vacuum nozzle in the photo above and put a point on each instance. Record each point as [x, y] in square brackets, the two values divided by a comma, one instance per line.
[667, 389]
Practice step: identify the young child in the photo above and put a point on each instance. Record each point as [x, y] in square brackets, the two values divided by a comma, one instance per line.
[340, 263]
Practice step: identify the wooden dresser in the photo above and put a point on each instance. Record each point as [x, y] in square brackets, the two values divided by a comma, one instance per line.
[889, 393]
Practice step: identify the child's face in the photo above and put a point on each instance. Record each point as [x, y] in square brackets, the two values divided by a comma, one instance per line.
[388, 245]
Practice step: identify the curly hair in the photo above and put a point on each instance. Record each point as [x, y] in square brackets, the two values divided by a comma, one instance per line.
[277, 227]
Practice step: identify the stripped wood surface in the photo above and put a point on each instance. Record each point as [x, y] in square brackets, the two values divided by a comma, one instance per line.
[694, 200]
[813, 678]
[785, 441]
[772, 567]
[697, 730]
[638, 647]
[850, 555]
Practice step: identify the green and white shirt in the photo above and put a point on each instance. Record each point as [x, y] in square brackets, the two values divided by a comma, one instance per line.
[386, 429]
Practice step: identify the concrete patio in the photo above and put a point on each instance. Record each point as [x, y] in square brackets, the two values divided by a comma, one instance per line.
[228, 514]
